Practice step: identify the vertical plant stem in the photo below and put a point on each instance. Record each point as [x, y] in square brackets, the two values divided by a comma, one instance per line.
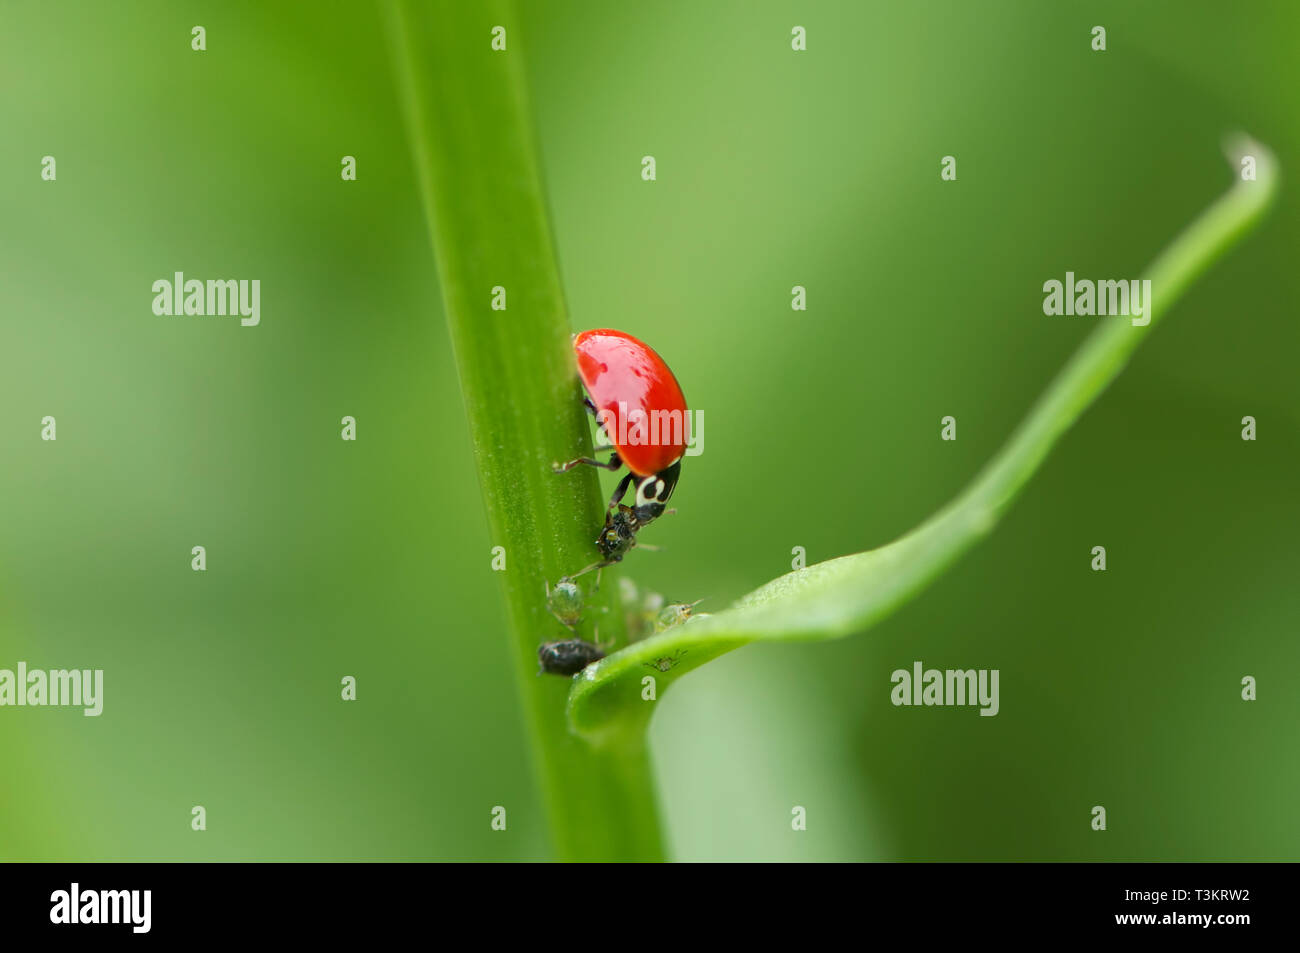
[477, 161]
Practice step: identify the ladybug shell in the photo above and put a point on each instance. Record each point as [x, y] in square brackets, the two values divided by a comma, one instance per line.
[617, 368]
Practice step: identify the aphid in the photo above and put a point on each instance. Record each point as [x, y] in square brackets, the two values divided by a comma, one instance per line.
[567, 656]
[674, 614]
[640, 407]
[565, 603]
[667, 662]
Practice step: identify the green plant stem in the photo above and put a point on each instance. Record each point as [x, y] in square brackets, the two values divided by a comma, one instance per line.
[477, 162]
[847, 595]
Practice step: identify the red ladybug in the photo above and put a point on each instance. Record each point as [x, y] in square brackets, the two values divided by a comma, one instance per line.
[640, 406]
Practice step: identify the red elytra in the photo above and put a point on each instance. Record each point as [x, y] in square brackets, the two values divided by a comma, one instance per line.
[640, 407]
[623, 375]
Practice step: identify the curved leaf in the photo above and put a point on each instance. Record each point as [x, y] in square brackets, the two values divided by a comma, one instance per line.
[846, 595]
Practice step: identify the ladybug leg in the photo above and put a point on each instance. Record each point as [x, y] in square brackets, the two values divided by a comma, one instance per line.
[600, 427]
[615, 461]
[620, 491]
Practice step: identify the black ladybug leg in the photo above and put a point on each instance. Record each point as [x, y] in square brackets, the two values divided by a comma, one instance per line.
[600, 426]
[620, 491]
[614, 463]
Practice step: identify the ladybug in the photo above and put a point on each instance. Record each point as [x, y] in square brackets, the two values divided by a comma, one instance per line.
[639, 405]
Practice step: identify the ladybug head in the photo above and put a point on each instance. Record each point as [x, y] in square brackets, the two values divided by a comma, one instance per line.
[652, 493]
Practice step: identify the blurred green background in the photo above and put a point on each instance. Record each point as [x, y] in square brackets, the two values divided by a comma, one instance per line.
[775, 168]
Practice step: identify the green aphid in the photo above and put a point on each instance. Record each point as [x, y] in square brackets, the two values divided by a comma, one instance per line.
[674, 614]
[564, 601]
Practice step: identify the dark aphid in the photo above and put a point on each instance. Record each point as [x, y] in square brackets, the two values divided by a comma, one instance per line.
[567, 656]
[618, 534]
[616, 538]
